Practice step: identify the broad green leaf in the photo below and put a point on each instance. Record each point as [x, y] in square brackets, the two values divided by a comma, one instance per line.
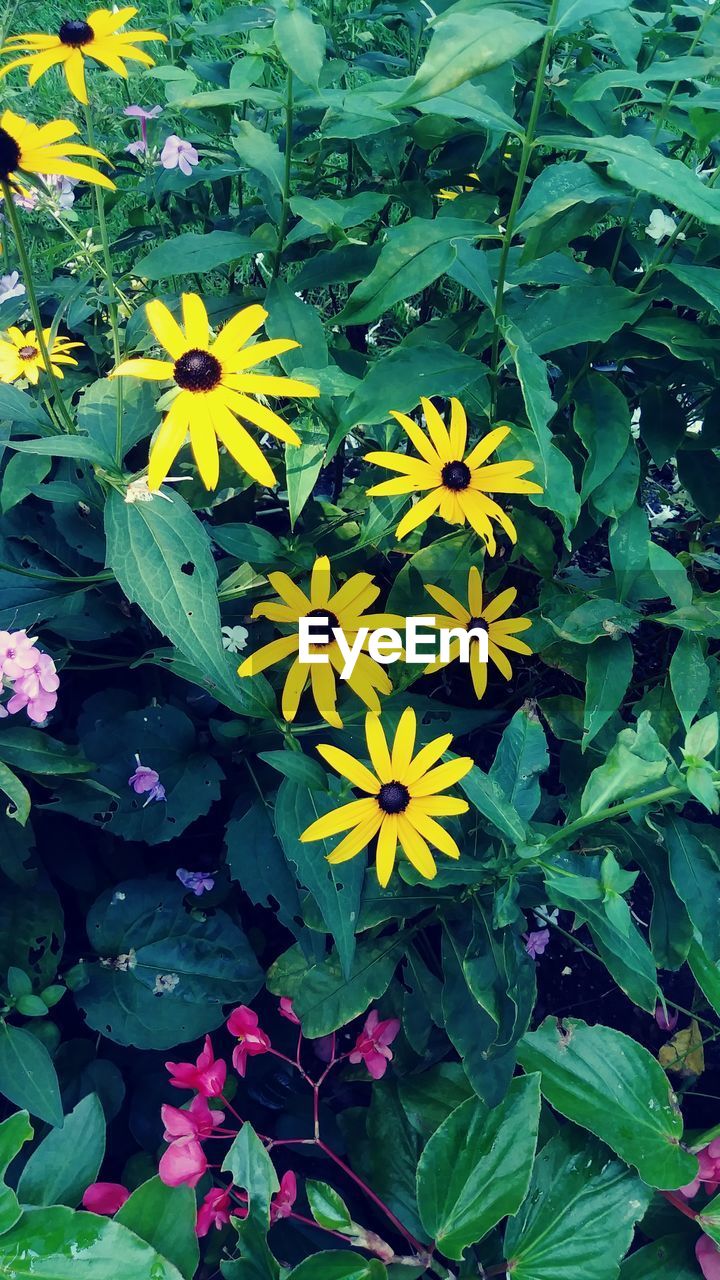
[559, 187]
[598, 400]
[252, 1171]
[326, 1206]
[303, 464]
[663, 69]
[400, 378]
[572, 13]
[298, 767]
[703, 279]
[193, 252]
[326, 212]
[486, 795]
[256, 860]
[97, 413]
[580, 1213]
[301, 42]
[290, 317]
[629, 544]
[336, 890]
[17, 794]
[468, 44]
[520, 760]
[696, 880]
[165, 1218]
[67, 1160]
[671, 930]
[609, 671]
[339, 1265]
[14, 1133]
[322, 998]
[429, 1097]
[33, 751]
[17, 406]
[60, 1244]
[611, 1085]
[27, 1075]
[476, 1168]
[259, 152]
[689, 676]
[21, 476]
[699, 472]
[626, 955]
[636, 762]
[579, 312]
[670, 1258]
[706, 973]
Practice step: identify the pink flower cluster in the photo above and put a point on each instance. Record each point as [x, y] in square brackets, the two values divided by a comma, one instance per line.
[708, 1174]
[30, 673]
[708, 1256]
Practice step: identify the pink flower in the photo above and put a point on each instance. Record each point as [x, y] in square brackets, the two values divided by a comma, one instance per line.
[708, 1256]
[17, 653]
[196, 1121]
[708, 1174]
[140, 113]
[243, 1024]
[105, 1197]
[183, 1164]
[286, 1010]
[207, 1075]
[371, 1046]
[536, 942]
[214, 1211]
[34, 687]
[666, 1020]
[137, 148]
[145, 779]
[283, 1201]
[178, 154]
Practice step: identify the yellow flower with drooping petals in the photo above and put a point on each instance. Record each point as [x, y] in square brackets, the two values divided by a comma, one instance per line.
[402, 799]
[21, 357]
[452, 193]
[214, 390]
[98, 36]
[500, 629]
[345, 609]
[458, 485]
[42, 149]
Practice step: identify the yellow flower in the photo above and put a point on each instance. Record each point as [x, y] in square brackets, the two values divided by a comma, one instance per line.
[500, 630]
[21, 356]
[98, 37]
[458, 485]
[345, 609]
[214, 390]
[452, 193]
[402, 799]
[29, 148]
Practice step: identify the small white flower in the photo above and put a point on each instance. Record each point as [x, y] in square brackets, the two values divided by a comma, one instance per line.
[663, 516]
[554, 74]
[234, 639]
[635, 424]
[660, 226]
[165, 982]
[11, 286]
[137, 490]
[544, 916]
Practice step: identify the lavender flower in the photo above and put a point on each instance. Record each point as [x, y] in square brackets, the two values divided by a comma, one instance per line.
[199, 882]
[145, 779]
[178, 154]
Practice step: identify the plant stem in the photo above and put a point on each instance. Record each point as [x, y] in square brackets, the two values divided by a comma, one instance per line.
[414, 1244]
[617, 810]
[110, 285]
[14, 220]
[282, 229]
[527, 150]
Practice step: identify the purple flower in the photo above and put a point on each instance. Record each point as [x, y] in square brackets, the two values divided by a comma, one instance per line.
[140, 113]
[17, 653]
[138, 148]
[11, 286]
[178, 154]
[199, 882]
[34, 687]
[536, 942]
[667, 1020]
[147, 780]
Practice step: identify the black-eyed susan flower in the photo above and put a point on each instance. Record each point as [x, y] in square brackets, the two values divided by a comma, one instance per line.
[402, 799]
[345, 609]
[42, 149]
[213, 390]
[452, 193]
[21, 357]
[458, 485]
[501, 630]
[98, 36]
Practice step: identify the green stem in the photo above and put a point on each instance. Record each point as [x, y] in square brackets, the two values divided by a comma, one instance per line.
[110, 285]
[527, 150]
[14, 220]
[282, 229]
[612, 811]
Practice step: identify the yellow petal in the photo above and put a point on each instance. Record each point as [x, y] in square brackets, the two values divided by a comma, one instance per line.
[446, 775]
[475, 591]
[433, 832]
[75, 76]
[416, 849]
[500, 605]
[386, 848]
[418, 439]
[426, 758]
[156, 370]
[166, 328]
[342, 819]
[320, 583]
[440, 806]
[195, 321]
[271, 384]
[404, 744]
[268, 655]
[378, 748]
[357, 840]
[293, 688]
[419, 513]
[436, 430]
[324, 691]
[241, 446]
[258, 414]
[478, 673]
[458, 429]
[497, 656]
[168, 442]
[238, 330]
[486, 446]
[346, 765]
[456, 610]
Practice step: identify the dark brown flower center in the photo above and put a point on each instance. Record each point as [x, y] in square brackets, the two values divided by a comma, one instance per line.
[9, 155]
[456, 475]
[27, 353]
[197, 371]
[76, 33]
[393, 797]
[331, 620]
[478, 624]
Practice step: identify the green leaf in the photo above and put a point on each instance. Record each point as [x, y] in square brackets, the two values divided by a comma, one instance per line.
[60, 1244]
[17, 794]
[609, 671]
[322, 999]
[33, 751]
[696, 880]
[484, 792]
[624, 952]
[290, 317]
[339, 1265]
[599, 400]
[636, 762]
[258, 151]
[336, 890]
[468, 44]
[670, 1258]
[255, 859]
[579, 312]
[706, 973]
[699, 473]
[303, 464]
[97, 414]
[193, 252]
[579, 1215]
[249, 542]
[521, 758]
[301, 43]
[327, 1207]
[609, 1084]
[252, 1171]
[298, 767]
[559, 187]
[68, 1159]
[572, 13]
[428, 1098]
[22, 474]
[702, 737]
[14, 1133]
[400, 378]
[476, 1168]
[165, 1218]
[689, 676]
[27, 1075]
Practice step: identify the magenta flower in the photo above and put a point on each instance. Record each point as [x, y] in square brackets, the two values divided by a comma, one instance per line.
[199, 882]
[105, 1197]
[371, 1046]
[283, 1201]
[196, 1121]
[147, 780]
[708, 1174]
[286, 1010]
[207, 1075]
[141, 113]
[183, 1164]
[214, 1211]
[178, 154]
[667, 1020]
[536, 941]
[243, 1024]
[708, 1256]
